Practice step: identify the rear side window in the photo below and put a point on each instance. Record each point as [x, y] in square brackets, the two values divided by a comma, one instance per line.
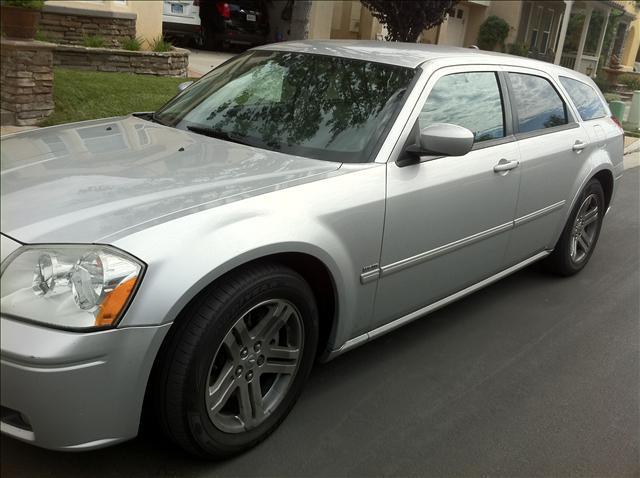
[471, 100]
[538, 104]
[585, 98]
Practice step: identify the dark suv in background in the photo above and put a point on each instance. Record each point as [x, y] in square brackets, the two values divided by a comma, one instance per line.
[215, 24]
[241, 22]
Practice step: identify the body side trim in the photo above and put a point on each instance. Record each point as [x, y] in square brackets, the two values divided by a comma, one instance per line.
[441, 250]
[370, 276]
[539, 213]
[375, 274]
[383, 329]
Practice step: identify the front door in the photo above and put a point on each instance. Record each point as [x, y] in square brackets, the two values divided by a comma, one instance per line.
[454, 31]
[448, 219]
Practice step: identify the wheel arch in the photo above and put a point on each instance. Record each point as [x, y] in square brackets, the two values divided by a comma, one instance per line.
[317, 274]
[605, 177]
[603, 172]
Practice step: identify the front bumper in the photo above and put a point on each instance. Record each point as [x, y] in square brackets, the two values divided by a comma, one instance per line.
[74, 391]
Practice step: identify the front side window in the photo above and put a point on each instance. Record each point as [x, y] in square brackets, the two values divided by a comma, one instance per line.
[471, 100]
[585, 98]
[316, 106]
[537, 103]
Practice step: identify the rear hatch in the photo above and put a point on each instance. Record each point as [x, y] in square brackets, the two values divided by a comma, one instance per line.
[248, 16]
[181, 11]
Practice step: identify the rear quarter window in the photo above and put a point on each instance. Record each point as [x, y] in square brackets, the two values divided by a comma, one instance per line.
[585, 98]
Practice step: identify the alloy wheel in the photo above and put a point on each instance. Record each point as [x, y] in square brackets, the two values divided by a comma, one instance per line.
[584, 230]
[254, 366]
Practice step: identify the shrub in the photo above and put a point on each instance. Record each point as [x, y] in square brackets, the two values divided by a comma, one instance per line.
[609, 97]
[160, 44]
[93, 41]
[519, 49]
[632, 82]
[132, 44]
[41, 36]
[604, 84]
[36, 4]
[493, 31]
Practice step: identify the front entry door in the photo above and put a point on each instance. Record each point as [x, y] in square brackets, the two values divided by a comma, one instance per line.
[455, 28]
[448, 220]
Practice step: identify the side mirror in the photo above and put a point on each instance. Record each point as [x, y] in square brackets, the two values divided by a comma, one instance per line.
[446, 139]
[184, 85]
[438, 139]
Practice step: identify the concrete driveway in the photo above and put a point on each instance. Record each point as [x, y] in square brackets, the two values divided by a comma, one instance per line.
[532, 376]
[203, 61]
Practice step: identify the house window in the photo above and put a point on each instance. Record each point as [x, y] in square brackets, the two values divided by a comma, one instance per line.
[535, 28]
[559, 29]
[547, 21]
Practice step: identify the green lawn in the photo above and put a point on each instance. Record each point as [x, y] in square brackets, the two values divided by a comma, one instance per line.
[83, 95]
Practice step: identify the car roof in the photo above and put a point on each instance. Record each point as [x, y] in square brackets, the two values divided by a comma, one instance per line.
[412, 55]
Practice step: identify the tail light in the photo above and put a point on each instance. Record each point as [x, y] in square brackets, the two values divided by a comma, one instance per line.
[618, 123]
[223, 9]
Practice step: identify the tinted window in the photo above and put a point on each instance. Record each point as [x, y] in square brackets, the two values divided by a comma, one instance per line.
[585, 98]
[317, 106]
[537, 103]
[471, 100]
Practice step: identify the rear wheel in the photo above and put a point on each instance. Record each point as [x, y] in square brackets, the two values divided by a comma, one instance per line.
[580, 235]
[238, 361]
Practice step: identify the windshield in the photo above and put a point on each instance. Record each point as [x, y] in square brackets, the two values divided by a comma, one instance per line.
[316, 106]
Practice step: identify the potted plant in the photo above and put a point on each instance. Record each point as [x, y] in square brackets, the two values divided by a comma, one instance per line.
[20, 18]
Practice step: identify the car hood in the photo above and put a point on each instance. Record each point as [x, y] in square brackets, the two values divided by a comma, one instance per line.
[91, 181]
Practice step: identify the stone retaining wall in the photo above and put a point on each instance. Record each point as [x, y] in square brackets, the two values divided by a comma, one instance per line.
[26, 80]
[70, 26]
[171, 63]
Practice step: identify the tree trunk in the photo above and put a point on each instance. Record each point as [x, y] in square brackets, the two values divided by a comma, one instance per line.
[299, 29]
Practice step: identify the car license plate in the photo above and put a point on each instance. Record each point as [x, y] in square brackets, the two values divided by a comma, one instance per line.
[176, 8]
[251, 17]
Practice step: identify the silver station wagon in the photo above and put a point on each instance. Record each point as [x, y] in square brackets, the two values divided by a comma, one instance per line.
[298, 201]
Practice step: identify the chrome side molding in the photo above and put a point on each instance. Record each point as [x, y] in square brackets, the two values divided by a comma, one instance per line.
[539, 213]
[383, 329]
[372, 273]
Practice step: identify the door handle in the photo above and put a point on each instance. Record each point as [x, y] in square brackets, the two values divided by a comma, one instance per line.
[505, 165]
[578, 146]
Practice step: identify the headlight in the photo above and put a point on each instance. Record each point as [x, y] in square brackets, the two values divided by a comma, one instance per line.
[72, 286]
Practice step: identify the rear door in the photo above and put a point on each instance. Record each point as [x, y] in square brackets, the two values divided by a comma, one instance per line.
[553, 146]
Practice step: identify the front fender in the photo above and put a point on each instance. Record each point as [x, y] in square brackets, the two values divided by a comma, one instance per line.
[337, 220]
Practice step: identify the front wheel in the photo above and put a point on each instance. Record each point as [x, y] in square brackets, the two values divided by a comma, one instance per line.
[237, 362]
[580, 235]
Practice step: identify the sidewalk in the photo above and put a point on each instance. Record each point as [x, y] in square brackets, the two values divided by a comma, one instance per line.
[4, 130]
[631, 152]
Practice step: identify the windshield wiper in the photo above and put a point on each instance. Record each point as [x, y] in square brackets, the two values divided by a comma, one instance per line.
[155, 119]
[216, 133]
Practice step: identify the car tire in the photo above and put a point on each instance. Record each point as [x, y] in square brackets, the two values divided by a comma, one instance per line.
[214, 356]
[580, 235]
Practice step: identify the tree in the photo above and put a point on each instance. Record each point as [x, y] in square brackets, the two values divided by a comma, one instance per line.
[406, 19]
[493, 31]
